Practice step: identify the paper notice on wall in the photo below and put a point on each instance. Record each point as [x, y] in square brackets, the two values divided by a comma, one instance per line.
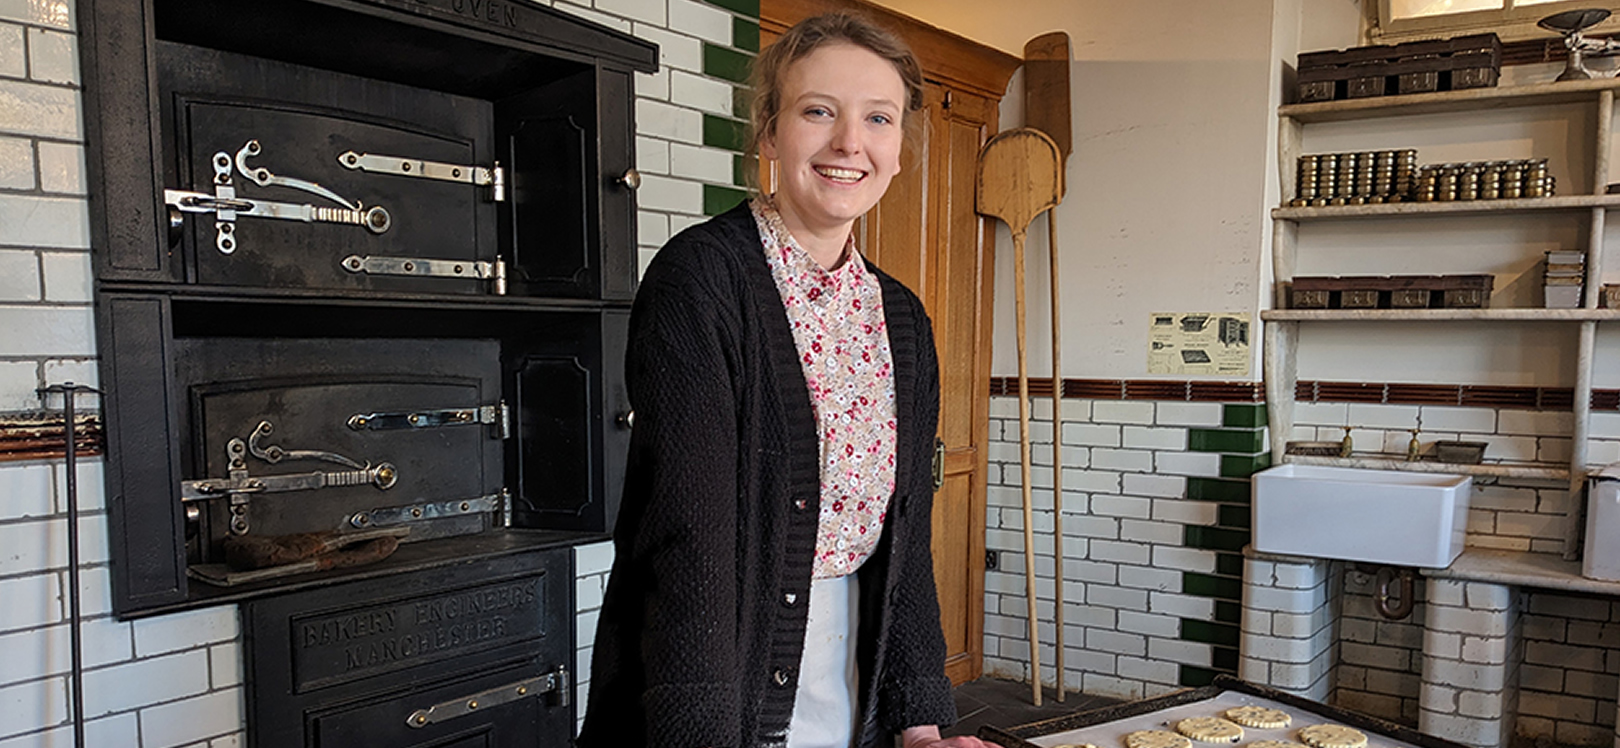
[1199, 343]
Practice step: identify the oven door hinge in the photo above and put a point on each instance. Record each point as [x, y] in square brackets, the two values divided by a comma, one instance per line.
[390, 516]
[498, 417]
[555, 686]
[493, 177]
[431, 268]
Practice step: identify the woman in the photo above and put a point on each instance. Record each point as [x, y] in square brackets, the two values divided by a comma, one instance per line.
[773, 583]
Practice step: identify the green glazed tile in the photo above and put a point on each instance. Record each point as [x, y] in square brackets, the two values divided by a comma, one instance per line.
[1224, 659]
[1243, 415]
[748, 8]
[1197, 677]
[739, 169]
[1229, 564]
[1212, 633]
[1243, 466]
[1214, 538]
[1215, 489]
[719, 132]
[1205, 585]
[717, 199]
[1227, 611]
[745, 34]
[722, 62]
[1233, 516]
[1245, 441]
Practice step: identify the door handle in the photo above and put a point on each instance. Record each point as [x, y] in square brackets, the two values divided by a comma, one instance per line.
[939, 463]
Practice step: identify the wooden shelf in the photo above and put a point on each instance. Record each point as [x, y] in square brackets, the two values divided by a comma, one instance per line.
[1473, 99]
[1440, 315]
[1454, 208]
[1534, 471]
[1523, 569]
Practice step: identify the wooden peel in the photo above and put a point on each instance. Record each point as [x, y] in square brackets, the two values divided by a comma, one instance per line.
[1046, 108]
[1019, 177]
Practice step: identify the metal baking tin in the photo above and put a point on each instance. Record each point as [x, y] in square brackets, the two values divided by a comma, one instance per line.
[1106, 727]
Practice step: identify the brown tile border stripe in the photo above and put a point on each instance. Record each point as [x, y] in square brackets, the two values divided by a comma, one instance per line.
[1137, 389]
[1386, 393]
[1463, 395]
[39, 436]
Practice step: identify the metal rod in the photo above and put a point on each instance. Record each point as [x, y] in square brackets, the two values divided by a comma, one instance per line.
[76, 676]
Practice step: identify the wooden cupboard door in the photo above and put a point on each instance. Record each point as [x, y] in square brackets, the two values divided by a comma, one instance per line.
[925, 233]
[959, 300]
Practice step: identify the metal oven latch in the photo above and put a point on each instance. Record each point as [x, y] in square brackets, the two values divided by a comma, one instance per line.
[493, 177]
[554, 685]
[400, 515]
[239, 486]
[481, 269]
[497, 416]
[227, 206]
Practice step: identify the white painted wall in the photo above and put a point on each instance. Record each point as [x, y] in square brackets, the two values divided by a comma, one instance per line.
[1165, 208]
[1174, 174]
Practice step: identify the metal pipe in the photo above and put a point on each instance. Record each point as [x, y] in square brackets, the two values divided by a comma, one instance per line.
[70, 429]
[1405, 602]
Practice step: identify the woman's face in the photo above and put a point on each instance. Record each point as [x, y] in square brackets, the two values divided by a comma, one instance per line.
[837, 137]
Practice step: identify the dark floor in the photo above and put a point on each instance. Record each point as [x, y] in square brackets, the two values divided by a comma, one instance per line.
[1005, 703]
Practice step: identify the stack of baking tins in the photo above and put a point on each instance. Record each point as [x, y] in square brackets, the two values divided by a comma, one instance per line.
[1564, 276]
[1355, 178]
[1484, 180]
[1473, 61]
[1391, 292]
[1373, 177]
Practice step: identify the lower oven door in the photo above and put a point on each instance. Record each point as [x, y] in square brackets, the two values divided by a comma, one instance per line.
[299, 436]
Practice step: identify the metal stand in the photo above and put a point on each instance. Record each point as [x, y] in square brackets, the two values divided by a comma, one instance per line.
[70, 430]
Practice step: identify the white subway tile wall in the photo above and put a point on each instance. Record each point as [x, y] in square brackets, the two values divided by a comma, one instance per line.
[176, 680]
[1152, 536]
[1308, 627]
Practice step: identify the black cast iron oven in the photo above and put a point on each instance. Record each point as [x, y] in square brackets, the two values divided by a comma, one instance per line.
[363, 273]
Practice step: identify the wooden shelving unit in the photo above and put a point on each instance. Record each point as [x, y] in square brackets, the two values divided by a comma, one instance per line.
[1283, 328]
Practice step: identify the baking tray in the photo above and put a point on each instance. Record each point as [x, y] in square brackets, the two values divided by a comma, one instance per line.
[1106, 727]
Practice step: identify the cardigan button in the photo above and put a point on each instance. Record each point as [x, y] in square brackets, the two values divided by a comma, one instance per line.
[801, 504]
[789, 599]
[781, 677]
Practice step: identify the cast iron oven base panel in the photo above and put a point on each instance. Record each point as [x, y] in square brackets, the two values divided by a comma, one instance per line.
[476, 654]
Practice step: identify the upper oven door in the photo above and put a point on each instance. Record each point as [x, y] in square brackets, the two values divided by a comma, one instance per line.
[285, 177]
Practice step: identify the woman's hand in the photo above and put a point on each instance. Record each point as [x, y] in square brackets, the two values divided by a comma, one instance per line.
[927, 736]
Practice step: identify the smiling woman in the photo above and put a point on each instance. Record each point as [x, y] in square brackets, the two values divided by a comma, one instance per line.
[773, 583]
[837, 144]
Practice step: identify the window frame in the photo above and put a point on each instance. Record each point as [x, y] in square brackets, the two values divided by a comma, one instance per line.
[1510, 23]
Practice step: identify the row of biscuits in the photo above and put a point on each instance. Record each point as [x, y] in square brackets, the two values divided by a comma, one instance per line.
[1229, 730]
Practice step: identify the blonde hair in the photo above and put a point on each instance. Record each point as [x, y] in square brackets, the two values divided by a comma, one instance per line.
[807, 36]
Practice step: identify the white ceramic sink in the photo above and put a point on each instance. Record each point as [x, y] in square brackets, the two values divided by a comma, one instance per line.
[1379, 516]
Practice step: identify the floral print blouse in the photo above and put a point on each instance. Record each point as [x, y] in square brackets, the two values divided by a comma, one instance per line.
[843, 345]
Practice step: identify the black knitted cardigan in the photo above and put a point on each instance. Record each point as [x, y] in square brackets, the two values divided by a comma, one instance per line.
[702, 627]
